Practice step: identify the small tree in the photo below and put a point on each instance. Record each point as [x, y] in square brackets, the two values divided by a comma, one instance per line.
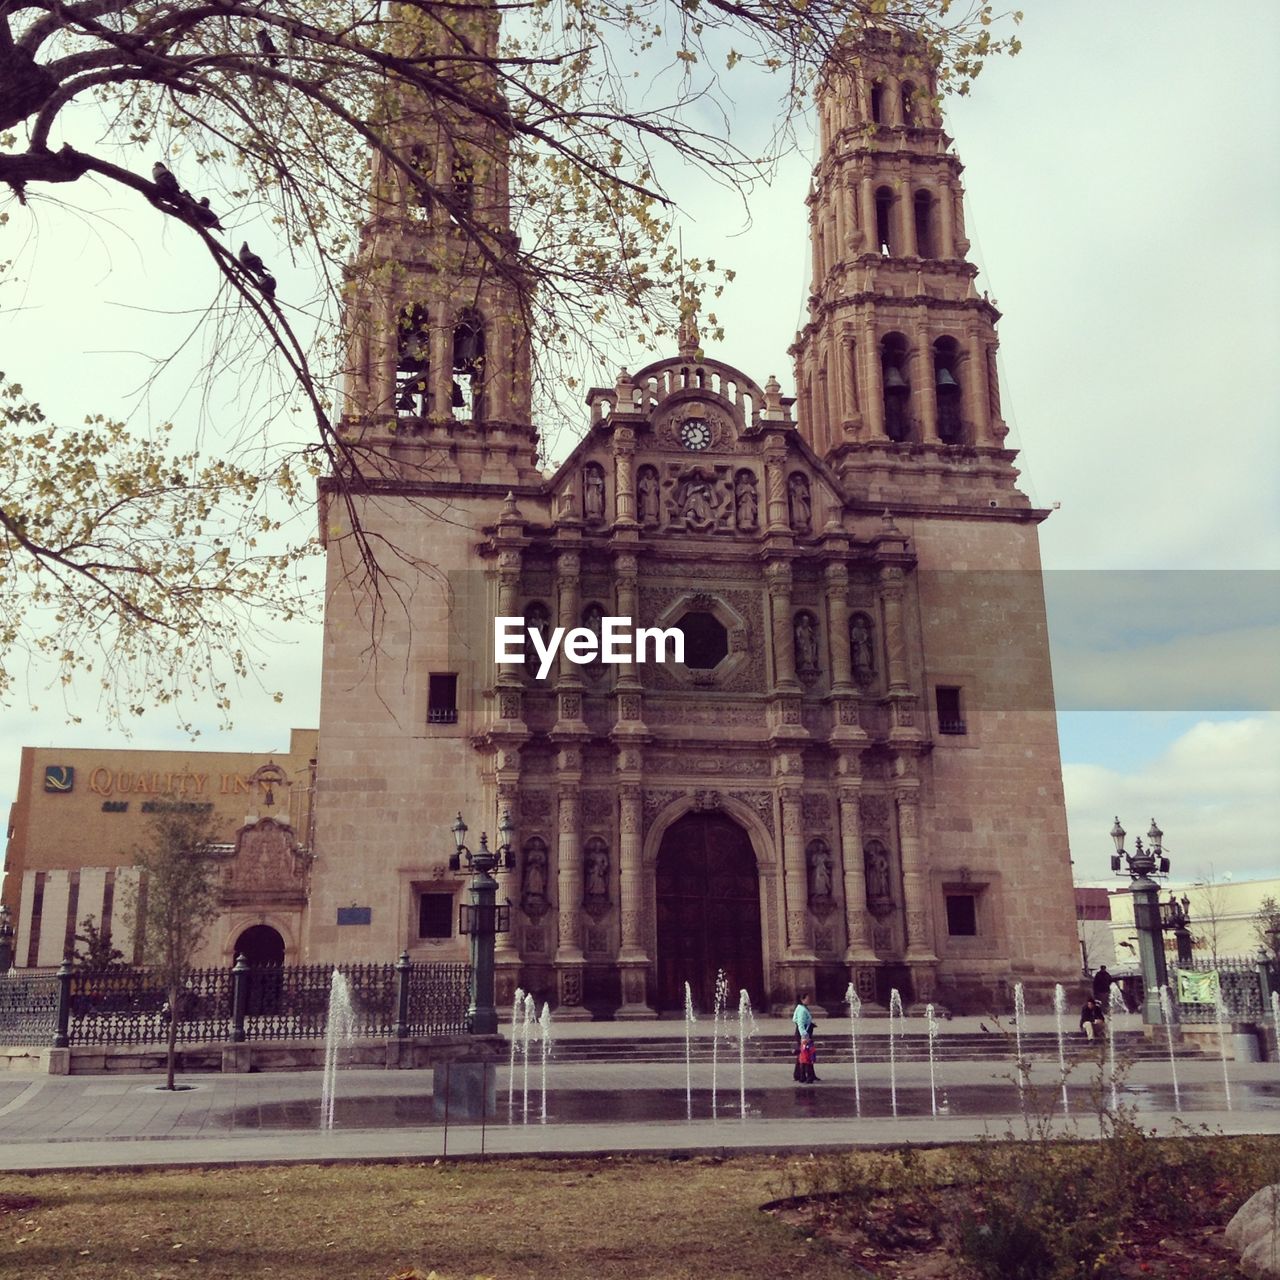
[181, 875]
[98, 955]
[1266, 928]
[1211, 906]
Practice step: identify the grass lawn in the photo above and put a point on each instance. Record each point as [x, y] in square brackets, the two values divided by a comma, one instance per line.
[627, 1218]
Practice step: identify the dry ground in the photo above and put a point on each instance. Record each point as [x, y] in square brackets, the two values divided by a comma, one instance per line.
[622, 1219]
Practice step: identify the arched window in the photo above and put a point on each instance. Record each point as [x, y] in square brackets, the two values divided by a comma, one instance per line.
[421, 164]
[884, 220]
[897, 387]
[413, 363]
[468, 366]
[946, 380]
[924, 225]
[877, 103]
[464, 184]
[908, 103]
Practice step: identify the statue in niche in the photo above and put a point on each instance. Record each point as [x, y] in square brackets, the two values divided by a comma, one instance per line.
[593, 492]
[744, 492]
[875, 865]
[533, 896]
[820, 871]
[647, 495]
[537, 617]
[799, 503]
[593, 620]
[806, 643]
[861, 652]
[596, 870]
[696, 499]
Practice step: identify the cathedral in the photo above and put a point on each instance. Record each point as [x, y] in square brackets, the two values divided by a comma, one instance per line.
[853, 777]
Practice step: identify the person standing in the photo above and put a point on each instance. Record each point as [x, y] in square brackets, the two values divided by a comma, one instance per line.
[804, 1029]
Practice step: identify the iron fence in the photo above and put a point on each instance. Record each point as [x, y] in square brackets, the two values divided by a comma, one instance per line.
[129, 1006]
[1242, 986]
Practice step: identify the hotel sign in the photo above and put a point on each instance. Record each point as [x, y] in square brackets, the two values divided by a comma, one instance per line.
[59, 778]
[167, 782]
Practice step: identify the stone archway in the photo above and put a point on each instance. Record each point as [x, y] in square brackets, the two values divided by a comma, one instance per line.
[263, 948]
[708, 911]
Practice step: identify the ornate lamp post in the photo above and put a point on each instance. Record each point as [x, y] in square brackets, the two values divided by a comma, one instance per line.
[1175, 918]
[6, 939]
[482, 920]
[1142, 865]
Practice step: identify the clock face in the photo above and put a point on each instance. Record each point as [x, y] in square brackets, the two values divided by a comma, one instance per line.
[695, 434]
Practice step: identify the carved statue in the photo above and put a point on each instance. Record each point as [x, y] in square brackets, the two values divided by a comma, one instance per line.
[876, 869]
[806, 643]
[647, 495]
[697, 499]
[537, 617]
[860, 649]
[747, 503]
[593, 492]
[799, 504]
[534, 894]
[593, 620]
[820, 870]
[596, 865]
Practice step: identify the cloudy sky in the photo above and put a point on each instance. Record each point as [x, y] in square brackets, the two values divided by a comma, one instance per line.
[1122, 188]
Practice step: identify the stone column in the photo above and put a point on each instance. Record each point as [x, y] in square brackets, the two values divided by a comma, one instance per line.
[509, 564]
[915, 879]
[441, 374]
[924, 381]
[976, 394]
[836, 576]
[778, 577]
[506, 951]
[996, 423]
[775, 488]
[947, 219]
[858, 952]
[633, 959]
[867, 192]
[815, 247]
[568, 615]
[874, 383]
[624, 484]
[907, 217]
[569, 890]
[842, 220]
[795, 875]
[625, 572]
[892, 589]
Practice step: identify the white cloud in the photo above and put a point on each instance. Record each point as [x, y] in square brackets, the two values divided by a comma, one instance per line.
[1215, 792]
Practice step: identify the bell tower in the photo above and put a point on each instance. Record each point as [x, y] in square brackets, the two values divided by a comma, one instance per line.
[896, 366]
[438, 351]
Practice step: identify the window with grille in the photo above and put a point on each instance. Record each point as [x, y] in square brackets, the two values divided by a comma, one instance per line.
[435, 915]
[950, 710]
[962, 915]
[442, 698]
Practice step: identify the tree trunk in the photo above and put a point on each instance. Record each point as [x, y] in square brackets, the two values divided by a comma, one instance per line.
[173, 1036]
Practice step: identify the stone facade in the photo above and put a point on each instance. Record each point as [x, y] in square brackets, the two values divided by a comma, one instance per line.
[866, 698]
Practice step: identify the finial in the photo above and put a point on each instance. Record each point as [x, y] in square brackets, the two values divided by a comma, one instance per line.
[688, 338]
[509, 510]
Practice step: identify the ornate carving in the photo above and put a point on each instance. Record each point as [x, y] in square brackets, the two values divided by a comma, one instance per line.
[695, 500]
[655, 801]
[595, 876]
[847, 711]
[817, 811]
[266, 857]
[509, 705]
[647, 496]
[916, 928]
[597, 808]
[799, 502]
[904, 712]
[706, 801]
[593, 493]
[568, 930]
[533, 886]
[877, 873]
[535, 940]
[862, 655]
[630, 814]
[882, 938]
[761, 802]
[535, 806]
[571, 987]
[805, 629]
[798, 928]
[746, 500]
[568, 809]
[570, 706]
[597, 940]
[821, 867]
[874, 812]
[629, 706]
[632, 922]
[908, 816]
[823, 941]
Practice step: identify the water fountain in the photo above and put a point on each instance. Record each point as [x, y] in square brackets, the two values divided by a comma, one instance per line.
[527, 1024]
[1275, 1017]
[544, 1025]
[517, 1012]
[746, 1027]
[689, 1020]
[1059, 1012]
[1019, 1016]
[895, 1011]
[722, 996]
[1223, 1017]
[855, 1012]
[1115, 1005]
[1166, 1011]
[931, 1022]
[339, 1034]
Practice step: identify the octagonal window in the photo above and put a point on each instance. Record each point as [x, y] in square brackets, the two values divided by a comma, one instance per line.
[706, 641]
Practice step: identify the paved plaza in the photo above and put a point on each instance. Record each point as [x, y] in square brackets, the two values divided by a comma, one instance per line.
[51, 1122]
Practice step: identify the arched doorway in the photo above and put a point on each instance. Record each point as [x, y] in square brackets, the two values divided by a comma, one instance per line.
[263, 948]
[708, 901]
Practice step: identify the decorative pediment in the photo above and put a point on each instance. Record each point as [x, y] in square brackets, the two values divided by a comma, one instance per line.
[266, 861]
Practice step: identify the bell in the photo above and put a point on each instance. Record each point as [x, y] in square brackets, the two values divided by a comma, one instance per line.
[455, 396]
[405, 403]
[945, 379]
[893, 379]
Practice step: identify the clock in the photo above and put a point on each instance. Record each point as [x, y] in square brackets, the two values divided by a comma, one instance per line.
[695, 433]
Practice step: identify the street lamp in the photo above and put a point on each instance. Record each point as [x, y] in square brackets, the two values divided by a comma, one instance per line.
[1175, 917]
[482, 919]
[1142, 864]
